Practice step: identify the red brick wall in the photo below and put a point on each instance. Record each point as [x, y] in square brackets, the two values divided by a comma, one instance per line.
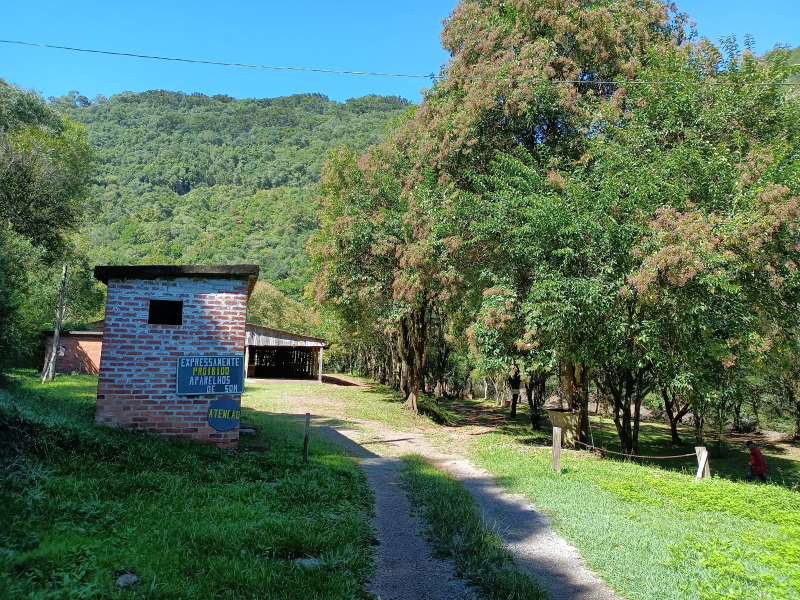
[136, 386]
[81, 353]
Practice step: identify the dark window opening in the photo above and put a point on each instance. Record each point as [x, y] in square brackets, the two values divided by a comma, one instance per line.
[165, 312]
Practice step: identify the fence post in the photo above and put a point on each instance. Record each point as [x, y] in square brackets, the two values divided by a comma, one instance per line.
[703, 470]
[305, 439]
[557, 449]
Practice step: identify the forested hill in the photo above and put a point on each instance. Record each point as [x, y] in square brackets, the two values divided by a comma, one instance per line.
[187, 178]
[794, 59]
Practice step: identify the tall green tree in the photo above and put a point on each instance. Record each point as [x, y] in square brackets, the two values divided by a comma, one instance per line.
[381, 257]
[533, 79]
[45, 168]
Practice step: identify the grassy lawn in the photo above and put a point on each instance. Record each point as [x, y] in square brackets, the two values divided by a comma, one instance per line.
[649, 529]
[82, 505]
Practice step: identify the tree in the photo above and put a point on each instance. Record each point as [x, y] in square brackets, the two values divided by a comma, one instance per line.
[532, 74]
[381, 257]
[269, 307]
[503, 343]
[708, 163]
[531, 79]
[186, 178]
[629, 217]
[45, 165]
[633, 191]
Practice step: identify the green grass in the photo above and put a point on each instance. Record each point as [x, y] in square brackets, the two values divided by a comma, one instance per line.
[728, 460]
[373, 402]
[83, 504]
[654, 533]
[456, 531]
[454, 527]
[648, 529]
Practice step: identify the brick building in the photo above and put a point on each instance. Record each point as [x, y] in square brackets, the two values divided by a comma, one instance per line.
[78, 352]
[167, 330]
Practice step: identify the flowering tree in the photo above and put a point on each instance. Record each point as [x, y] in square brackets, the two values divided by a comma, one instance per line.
[381, 257]
[633, 195]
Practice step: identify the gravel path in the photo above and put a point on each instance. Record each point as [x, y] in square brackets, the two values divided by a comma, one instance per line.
[527, 533]
[405, 568]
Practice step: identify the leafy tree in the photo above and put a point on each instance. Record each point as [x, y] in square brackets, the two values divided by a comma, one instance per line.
[532, 75]
[718, 247]
[498, 95]
[503, 344]
[532, 78]
[380, 257]
[601, 182]
[45, 165]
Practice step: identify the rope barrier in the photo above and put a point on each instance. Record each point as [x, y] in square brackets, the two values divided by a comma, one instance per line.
[693, 454]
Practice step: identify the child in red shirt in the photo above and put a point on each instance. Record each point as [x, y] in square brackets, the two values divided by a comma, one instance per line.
[758, 465]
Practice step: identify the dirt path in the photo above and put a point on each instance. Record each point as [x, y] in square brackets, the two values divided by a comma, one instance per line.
[527, 533]
[401, 574]
[405, 568]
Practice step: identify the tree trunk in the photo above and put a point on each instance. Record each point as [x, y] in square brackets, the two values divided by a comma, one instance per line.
[737, 416]
[514, 382]
[575, 383]
[794, 401]
[699, 423]
[411, 402]
[535, 389]
[49, 371]
[675, 413]
[403, 388]
[626, 388]
[413, 348]
[758, 419]
[797, 419]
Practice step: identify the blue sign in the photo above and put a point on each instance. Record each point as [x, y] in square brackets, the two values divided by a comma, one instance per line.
[198, 375]
[224, 414]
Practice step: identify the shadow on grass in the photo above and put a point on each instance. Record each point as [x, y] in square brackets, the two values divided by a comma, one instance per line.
[782, 456]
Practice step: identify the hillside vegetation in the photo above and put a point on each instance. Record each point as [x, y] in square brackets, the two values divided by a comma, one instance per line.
[794, 59]
[187, 178]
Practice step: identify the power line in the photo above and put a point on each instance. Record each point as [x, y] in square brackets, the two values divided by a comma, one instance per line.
[413, 75]
[217, 63]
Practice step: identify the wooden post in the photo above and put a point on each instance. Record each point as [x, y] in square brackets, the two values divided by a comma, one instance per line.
[319, 374]
[305, 439]
[49, 371]
[703, 470]
[557, 449]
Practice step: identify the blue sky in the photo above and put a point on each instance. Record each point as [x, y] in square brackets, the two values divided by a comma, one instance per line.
[352, 35]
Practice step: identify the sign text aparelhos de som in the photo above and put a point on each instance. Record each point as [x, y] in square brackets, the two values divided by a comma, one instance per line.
[198, 375]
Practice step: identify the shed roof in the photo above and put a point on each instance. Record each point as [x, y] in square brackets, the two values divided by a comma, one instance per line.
[249, 272]
[258, 335]
[75, 333]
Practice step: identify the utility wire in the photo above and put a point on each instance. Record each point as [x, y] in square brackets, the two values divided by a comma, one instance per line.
[415, 75]
[218, 63]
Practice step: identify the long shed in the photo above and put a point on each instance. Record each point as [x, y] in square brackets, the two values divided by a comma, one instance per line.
[282, 354]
